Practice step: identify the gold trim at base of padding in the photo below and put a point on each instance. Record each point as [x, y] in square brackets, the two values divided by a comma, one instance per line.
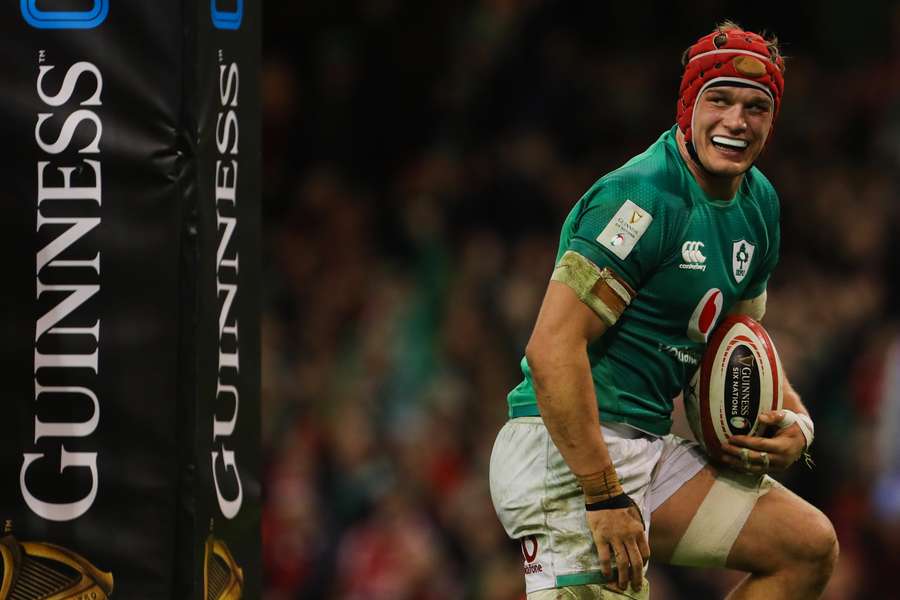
[223, 579]
[29, 572]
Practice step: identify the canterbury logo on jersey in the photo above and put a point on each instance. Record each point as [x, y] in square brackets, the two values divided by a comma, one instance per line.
[693, 257]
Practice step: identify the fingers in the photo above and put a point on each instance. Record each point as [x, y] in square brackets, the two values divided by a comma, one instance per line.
[738, 452]
[789, 431]
[748, 461]
[622, 563]
[603, 552]
[771, 416]
[642, 544]
[766, 461]
[760, 444]
[737, 465]
[752, 454]
[637, 563]
[644, 548]
[782, 438]
[622, 547]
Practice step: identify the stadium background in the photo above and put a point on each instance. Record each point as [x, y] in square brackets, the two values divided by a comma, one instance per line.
[419, 158]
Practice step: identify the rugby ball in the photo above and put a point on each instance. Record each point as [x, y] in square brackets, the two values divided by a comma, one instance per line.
[739, 377]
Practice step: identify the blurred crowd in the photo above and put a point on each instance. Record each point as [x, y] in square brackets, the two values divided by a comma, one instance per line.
[419, 159]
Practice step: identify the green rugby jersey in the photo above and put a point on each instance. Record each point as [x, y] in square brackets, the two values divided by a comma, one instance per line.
[690, 258]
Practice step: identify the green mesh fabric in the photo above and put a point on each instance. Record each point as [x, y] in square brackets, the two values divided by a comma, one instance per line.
[645, 360]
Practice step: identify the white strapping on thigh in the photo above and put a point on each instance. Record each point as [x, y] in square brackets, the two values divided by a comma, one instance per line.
[719, 520]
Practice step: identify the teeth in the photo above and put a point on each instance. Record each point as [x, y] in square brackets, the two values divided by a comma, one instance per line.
[731, 142]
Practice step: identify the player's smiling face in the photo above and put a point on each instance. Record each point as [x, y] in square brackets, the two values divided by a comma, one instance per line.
[730, 128]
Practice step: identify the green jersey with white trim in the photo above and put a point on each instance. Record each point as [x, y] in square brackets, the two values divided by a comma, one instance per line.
[688, 256]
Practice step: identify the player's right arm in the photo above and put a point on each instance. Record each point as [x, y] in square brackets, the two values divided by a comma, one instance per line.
[557, 356]
[614, 239]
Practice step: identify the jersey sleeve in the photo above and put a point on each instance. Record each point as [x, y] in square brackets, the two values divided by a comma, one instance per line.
[760, 280]
[622, 226]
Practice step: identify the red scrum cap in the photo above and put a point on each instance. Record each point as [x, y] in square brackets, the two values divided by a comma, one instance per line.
[728, 57]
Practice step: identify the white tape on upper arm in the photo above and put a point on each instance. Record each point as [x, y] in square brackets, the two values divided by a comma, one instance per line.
[753, 307]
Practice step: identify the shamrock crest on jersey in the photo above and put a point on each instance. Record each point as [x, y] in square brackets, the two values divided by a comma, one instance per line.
[741, 255]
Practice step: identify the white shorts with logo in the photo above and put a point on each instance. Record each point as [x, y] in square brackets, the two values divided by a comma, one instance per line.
[539, 501]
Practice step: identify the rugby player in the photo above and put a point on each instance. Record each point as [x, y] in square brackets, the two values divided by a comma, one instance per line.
[586, 474]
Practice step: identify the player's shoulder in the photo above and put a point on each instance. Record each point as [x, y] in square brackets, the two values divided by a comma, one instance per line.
[651, 180]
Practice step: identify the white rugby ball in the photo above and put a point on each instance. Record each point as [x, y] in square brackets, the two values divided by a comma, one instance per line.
[739, 377]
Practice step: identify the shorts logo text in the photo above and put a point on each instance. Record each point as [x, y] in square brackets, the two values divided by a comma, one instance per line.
[529, 554]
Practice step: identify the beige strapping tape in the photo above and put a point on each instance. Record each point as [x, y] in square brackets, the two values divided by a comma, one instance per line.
[719, 520]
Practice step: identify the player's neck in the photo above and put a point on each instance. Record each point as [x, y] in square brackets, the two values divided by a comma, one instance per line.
[719, 188]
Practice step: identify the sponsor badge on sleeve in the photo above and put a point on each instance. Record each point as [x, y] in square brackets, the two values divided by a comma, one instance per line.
[625, 229]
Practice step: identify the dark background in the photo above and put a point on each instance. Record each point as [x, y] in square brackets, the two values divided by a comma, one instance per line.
[419, 158]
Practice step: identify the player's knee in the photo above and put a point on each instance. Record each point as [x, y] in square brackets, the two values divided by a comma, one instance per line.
[818, 547]
[827, 548]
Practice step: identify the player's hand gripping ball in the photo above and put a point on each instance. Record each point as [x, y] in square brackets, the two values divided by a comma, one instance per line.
[739, 377]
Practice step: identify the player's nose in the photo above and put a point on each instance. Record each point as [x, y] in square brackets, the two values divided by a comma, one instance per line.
[734, 119]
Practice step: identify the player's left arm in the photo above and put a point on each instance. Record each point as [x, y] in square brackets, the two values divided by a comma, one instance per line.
[795, 429]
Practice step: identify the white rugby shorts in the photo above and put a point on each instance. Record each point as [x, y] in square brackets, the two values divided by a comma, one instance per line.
[540, 504]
